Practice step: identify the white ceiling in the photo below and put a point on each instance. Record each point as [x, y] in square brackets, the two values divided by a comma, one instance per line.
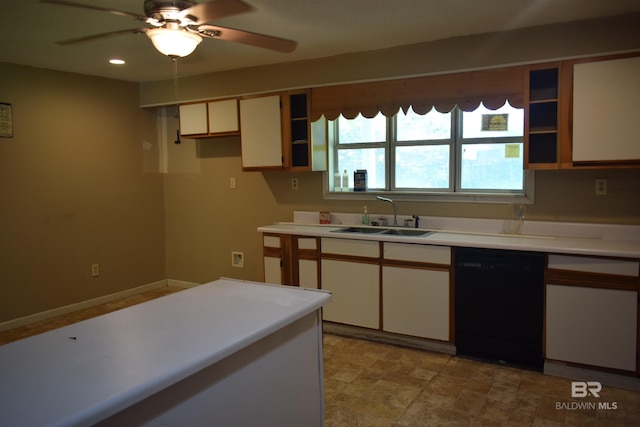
[28, 30]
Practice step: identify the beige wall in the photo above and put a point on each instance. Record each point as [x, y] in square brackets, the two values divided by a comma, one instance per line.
[207, 220]
[76, 188]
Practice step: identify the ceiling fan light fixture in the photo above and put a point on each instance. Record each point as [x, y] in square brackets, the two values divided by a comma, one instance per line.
[174, 42]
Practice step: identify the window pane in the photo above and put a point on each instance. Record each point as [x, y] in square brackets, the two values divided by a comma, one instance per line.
[414, 127]
[492, 166]
[371, 159]
[422, 166]
[361, 129]
[485, 123]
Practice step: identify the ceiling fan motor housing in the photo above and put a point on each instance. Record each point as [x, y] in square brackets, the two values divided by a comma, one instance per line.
[164, 8]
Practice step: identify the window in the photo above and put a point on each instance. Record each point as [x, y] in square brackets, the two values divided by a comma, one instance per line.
[454, 153]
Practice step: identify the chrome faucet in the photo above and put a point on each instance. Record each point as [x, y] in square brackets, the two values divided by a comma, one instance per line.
[395, 212]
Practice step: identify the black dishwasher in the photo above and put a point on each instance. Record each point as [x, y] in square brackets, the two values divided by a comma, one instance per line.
[499, 297]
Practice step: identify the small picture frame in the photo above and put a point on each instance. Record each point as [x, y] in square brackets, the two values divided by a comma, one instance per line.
[6, 121]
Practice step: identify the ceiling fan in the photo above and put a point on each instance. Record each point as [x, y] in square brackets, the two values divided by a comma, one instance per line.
[176, 27]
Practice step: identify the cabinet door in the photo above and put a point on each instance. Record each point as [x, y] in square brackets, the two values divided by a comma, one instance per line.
[355, 293]
[416, 302]
[592, 326]
[223, 116]
[193, 119]
[273, 270]
[308, 273]
[261, 132]
[606, 107]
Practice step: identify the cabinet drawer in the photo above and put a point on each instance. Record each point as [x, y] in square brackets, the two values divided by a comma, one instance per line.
[307, 243]
[594, 265]
[363, 248]
[418, 253]
[271, 241]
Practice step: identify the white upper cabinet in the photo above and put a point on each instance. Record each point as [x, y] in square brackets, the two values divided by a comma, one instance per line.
[193, 119]
[261, 132]
[206, 119]
[606, 109]
[223, 116]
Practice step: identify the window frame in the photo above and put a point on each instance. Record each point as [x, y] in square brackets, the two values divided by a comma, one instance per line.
[452, 194]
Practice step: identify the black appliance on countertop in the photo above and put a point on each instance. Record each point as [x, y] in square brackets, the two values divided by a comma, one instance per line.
[499, 302]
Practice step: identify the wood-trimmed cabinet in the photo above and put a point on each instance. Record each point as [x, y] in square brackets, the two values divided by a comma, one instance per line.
[277, 133]
[591, 302]
[401, 288]
[209, 119]
[544, 117]
[586, 122]
[291, 260]
[592, 311]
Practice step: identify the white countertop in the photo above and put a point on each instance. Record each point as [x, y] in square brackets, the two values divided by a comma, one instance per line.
[537, 243]
[82, 373]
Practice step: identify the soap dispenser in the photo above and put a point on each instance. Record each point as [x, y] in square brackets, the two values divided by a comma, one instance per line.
[345, 181]
[365, 217]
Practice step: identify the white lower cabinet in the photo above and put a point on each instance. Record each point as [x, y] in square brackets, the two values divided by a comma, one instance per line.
[592, 326]
[355, 292]
[416, 302]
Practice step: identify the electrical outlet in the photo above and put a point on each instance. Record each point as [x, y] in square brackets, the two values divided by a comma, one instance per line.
[294, 183]
[95, 270]
[601, 186]
[232, 182]
[237, 259]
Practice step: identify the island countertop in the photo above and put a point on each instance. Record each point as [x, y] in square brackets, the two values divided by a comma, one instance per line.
[85, 372]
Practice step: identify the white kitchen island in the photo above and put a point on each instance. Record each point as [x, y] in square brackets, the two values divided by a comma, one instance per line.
[228, 353]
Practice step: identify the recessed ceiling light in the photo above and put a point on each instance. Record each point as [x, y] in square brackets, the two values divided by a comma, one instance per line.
[116, 61]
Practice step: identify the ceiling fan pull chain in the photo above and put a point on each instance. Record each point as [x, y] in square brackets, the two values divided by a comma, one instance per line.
[175, 85]
[175, 88]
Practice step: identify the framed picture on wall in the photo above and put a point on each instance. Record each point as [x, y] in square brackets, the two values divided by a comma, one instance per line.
[6, 121]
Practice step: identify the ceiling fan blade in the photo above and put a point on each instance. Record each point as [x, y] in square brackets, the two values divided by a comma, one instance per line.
[98, 8]
[246, 37]
[101, 36]
[206, 12]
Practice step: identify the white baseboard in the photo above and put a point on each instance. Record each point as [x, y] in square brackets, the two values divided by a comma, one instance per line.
[44, 315]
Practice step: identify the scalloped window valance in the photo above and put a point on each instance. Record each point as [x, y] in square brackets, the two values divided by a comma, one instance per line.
[465, 89]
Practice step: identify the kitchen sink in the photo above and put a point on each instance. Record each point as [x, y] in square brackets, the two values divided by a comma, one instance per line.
[393, 231]
[361, 230]
[407, 232]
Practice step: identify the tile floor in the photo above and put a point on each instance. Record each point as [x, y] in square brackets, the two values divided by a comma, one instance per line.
[371, 384]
